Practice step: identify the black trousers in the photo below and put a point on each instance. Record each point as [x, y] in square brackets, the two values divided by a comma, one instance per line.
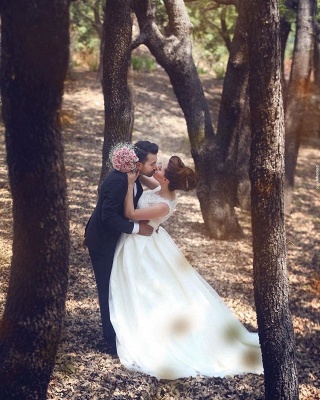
[102, 265]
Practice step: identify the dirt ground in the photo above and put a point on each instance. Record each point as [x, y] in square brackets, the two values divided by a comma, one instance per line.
[84, 372]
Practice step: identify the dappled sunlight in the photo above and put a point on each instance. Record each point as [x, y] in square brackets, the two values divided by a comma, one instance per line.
[226, 265]
[5, 196]
[5, 223]
[153, 94]
[304, 325]
[76, 307]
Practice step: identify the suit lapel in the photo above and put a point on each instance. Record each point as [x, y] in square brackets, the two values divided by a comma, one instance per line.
[138, 194]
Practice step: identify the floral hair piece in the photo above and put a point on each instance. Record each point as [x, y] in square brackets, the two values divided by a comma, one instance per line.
[123, 157]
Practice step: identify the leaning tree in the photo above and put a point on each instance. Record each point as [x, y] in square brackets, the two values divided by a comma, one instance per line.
[172, 49]
[118, 105]
[34, 61]
[233, 130]
[267, 200]
[221, 160]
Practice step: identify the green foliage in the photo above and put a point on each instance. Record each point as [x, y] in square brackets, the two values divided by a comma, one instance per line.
[206, 17]
[290, 42]
[143, 62]
[161, 14]
[287, 12]
[86, 19]
[219, 70]
[209, 40]
[208, 43]
[202, 71]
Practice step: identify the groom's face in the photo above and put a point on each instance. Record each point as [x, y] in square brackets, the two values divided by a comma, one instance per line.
[149, 166]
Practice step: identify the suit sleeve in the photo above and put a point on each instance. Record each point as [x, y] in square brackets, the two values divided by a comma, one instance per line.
[113, 195]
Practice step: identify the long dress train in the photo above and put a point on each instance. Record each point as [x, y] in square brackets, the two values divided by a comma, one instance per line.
[170, 323]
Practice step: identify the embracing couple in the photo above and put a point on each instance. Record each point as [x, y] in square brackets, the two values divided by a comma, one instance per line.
[158, 314]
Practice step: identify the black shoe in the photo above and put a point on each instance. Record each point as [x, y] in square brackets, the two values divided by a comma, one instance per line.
[111, 348]
[108, 348]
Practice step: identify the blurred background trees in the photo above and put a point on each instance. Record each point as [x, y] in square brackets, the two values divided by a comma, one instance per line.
[213, 27]
[86, 20]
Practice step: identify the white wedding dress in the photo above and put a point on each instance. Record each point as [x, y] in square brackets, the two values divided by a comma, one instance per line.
[169, 321]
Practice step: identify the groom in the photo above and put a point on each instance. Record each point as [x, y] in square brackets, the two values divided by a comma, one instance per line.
[106, 224]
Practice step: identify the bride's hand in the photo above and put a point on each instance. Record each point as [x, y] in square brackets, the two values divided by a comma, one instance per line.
[132, 176]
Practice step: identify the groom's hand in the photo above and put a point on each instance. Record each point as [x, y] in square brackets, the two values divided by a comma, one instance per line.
[145, 229]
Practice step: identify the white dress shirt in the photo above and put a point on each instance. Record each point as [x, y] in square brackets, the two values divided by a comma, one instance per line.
[136, 225]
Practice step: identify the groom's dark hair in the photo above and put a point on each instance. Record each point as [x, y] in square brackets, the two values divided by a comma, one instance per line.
[143, 148]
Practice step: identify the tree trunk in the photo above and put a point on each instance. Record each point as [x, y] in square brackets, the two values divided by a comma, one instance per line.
[316, 58]
[174, 54]
[116, 58]
[315, 102]
[34, 61]
[102, 40]
[234, 88]
[298, 90]
[285, 28]
[267, 176]
[232, 168]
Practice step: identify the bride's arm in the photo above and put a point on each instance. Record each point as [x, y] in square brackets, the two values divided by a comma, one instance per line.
[150, 182]
[157, 211]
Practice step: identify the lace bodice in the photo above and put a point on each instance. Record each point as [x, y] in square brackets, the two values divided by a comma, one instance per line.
[151, 197]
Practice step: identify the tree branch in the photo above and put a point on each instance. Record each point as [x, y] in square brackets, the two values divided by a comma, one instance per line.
[179, 22]
[97, 20]
[149, 32]
[224, 29]
[212, 8]
[141, 39]
[317, 28]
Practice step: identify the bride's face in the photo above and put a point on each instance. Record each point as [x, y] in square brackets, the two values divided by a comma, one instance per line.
[159, 173]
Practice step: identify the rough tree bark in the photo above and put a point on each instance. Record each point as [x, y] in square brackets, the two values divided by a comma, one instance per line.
[34, 61]
[297, 91]
[267, 197]
[117, 96]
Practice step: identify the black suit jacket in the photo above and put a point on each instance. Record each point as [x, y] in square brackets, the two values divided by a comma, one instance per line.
[107, 221]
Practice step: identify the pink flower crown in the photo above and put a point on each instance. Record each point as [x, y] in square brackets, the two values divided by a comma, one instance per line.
[123, 157]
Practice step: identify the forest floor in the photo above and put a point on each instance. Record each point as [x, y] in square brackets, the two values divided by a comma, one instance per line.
[82, 371]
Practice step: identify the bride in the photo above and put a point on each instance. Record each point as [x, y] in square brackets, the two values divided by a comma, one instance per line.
[169, 322]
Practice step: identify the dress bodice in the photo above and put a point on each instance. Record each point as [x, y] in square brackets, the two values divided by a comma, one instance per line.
[152, 197]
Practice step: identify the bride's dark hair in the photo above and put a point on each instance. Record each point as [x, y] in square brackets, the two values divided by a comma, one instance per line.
[180, 177]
